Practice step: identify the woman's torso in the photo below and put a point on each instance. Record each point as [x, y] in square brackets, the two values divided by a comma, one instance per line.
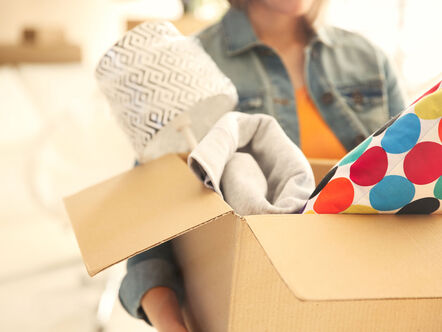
[347, 78]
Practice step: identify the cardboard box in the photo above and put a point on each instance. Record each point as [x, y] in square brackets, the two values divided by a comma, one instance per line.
[268, 272]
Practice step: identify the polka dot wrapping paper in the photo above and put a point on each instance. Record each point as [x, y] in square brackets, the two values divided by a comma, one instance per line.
[397, 170]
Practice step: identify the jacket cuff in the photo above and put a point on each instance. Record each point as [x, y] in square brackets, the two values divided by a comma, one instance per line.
[142, 277]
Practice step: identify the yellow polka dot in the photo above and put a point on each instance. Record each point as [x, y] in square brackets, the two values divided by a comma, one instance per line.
[360, 209]
[310, 212]
[429, 107]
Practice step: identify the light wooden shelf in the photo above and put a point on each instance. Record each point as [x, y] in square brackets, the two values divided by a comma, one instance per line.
[19, 53]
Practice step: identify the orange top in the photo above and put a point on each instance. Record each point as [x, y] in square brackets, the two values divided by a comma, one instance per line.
[317, 139]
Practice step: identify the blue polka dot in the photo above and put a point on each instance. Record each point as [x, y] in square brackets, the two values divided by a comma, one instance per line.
[402, 135]
[354, 154]
[391, 193]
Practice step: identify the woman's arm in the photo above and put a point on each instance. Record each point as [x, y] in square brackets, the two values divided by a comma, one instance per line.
[161, 306]
[154, 268]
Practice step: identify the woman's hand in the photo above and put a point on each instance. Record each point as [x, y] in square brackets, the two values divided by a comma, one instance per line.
[161, 306]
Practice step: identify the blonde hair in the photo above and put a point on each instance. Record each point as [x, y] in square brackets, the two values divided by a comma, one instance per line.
[313, 18]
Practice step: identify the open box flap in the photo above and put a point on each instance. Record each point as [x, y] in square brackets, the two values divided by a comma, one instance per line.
[139, 209]
[343, 257]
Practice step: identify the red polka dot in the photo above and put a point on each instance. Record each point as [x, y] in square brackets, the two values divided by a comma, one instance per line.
[370, 167]
[423, 164]
[336, 197]
[440, 130]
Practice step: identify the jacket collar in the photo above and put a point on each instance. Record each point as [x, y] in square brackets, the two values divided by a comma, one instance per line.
[322, 34]
[238, 32]
[240, 36]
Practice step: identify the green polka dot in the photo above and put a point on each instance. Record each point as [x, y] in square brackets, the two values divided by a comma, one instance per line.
[354, 154]
[438, 188]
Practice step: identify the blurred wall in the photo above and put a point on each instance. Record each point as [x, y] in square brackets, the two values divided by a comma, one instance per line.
[93, 24]
[408, 30]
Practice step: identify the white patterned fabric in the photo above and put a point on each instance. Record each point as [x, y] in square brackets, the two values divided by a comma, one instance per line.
[154, 74]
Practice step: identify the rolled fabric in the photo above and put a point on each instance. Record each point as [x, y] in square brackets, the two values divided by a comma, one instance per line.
[152, 77]
[398, 169]
[253, 165]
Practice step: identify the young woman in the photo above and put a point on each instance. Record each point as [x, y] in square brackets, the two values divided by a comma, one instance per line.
[328, 88]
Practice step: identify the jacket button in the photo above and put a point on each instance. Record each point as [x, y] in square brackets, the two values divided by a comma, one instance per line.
[359, 139]
[281, 101]
[327, 98]
[358, 97]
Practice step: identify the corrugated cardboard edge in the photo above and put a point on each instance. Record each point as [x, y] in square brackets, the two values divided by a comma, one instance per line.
[264, 303]
[289, 288]
[206, 257]
[243, 223]
[161, 242]
[86, 208]
[299, 295]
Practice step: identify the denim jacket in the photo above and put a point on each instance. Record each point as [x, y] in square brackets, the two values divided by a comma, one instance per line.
[351, 82]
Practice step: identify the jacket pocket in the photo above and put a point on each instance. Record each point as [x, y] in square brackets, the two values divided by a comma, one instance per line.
[368, 101]
[363, 97]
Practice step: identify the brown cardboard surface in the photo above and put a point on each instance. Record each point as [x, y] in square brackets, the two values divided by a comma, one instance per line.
[321, 167]
[337, 257]
[207, 259]
[262, 302]
[139, 209]
[289, 273]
